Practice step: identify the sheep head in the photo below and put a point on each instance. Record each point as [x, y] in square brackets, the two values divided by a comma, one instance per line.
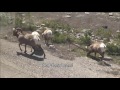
[17, 31]
[14, 32]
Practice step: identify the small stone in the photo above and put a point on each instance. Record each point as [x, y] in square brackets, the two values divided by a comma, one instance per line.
[67, 16]
[107, 58]
[87, 13]
[110, 14]
[52, 47]
[42, 24]
[118, 31]
[6, 36]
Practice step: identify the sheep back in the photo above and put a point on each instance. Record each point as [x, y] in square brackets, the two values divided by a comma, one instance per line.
[47, 33]
[97, 47]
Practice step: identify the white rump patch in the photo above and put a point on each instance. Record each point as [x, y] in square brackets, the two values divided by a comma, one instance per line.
[36, 37]
[102, 46]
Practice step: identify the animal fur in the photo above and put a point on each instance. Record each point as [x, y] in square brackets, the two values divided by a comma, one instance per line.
[97, 47]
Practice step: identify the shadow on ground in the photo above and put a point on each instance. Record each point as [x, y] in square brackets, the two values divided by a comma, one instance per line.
[30, 57]
[94, 58]
[100, 62]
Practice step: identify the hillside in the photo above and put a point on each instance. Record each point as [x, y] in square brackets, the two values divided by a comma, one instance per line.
[22, 65]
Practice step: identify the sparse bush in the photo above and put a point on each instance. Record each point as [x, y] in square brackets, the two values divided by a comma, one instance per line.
[103, 33]
[85, 40]
[59, 38]
[56, 24]
[18, 22]
[25, 26]
[113, 49]
[5, 19]
[117, 37]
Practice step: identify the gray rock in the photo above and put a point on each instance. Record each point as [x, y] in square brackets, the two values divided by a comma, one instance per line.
[42, 24]
[6, 36]
[80, 15]
[110, 14]
[118, 31]
[52, 47]
[107, 58]
[67, 16]
[87, 13]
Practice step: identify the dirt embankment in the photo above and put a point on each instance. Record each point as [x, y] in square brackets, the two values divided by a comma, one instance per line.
[17, 64]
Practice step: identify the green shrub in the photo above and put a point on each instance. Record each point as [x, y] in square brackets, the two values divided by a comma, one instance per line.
[59, 38]
[18, 22]
[113, 49]
[27, 25]
[118, 37]
[56, 24]
[103, 33]
[85, 40]
[4, 19]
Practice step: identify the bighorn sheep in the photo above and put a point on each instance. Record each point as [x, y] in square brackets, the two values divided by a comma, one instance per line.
[97, 47]
[27, 39]
[47, 35]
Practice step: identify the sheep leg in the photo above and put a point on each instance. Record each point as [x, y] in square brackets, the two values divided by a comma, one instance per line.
[51, 41]
[102, 54]
[25, 49]
[19, 46]
[95, 54]
[31, 49]
[32, 53]
[43, 52]
[45, 41]
[44, 56]
[88, 53]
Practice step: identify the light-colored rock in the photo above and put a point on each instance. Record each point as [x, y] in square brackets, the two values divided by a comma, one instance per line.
[118, 31]
[6, 36]
[87, 13]
[42, 24]
[110, 14]
[23, 21]
[107, 58]
[80, 15]
[67, 16]
[52, 47]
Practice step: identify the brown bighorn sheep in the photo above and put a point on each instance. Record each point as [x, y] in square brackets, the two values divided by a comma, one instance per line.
[97, 47]
[47, 35]
[27, 39]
